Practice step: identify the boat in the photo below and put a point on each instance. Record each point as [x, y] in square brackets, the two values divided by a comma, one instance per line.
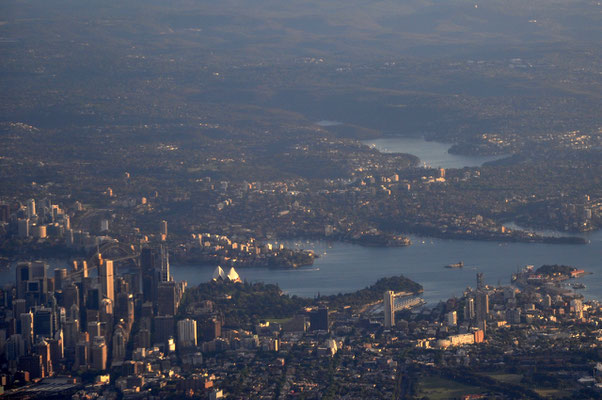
[456, 265]
[578, 286]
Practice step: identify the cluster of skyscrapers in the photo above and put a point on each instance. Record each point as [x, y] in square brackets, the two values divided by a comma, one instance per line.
[81, 318]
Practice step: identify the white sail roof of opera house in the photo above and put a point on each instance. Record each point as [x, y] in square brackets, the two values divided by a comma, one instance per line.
[219, 274]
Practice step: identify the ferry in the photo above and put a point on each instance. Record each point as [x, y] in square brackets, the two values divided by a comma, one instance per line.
[456, 265]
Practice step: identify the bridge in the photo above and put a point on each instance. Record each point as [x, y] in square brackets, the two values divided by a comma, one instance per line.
[398, 301]
[114, 251]
[404, 300]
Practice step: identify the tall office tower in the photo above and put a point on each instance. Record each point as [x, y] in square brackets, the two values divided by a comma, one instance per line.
[469, 312]
[73, 313]
[34, 365]
[451, 318]
[82, 355]
[105, 316]
[143, 339]
[119, 344]
[71, 333]
[167, 303]
[164, 271]
[37, 286]
[124, 307]
[4, 212]
[187, 333]
[19, 307]
[57, 350]
[389, 308]
[482, 306]
[94, 329]
[107, 279]
[15, 347]
[211, 329]
[480, 281]
[43, 348]
[23, 275]
[27, 332]
[98, 353]
[31, 208]
[23, 227]
[147, 267]
[93, 299]
[60, 275]
[318, 319]
[70, 295]
[163, 229]
[43, 322]
[163, 329]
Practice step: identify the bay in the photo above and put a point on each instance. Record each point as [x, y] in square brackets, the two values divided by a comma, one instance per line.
[431, 154]
[344, 267]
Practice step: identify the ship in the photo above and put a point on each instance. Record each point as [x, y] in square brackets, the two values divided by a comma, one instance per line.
[456, 265]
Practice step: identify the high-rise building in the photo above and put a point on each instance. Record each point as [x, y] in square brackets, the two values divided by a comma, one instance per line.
[71, 333]
[451, 318]
[187, 335]
[60, 275]
[70, 295]
[318, 319]
[167, 302]
[34, 365]
[163, 229]
[27, 331]
[19, 307]
[164, 274]
[469, 311]
[482, 306]
[43, 322]
[107, 279]
[4, 212]
[147, 266]
[23, 275]
[389, 308]
[98, 353]
[211, 328]
[163, 329]
[31, 208]
[43, 348]
[119, 344]
[480, 281]
[23, 227]
[94, 328]
[15, 347]
[82, 355]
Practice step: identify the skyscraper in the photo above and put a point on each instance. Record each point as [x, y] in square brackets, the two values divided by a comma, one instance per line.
[147, 266]
[167, 302]
[107, 279]
[187, 336]
[389, 304]
[31, 208]
[23, 275]
[482, 306]
[318, 319]
[164, 271]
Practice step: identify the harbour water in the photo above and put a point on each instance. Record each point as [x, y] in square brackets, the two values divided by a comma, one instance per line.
[432, 154]
[344, 267]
